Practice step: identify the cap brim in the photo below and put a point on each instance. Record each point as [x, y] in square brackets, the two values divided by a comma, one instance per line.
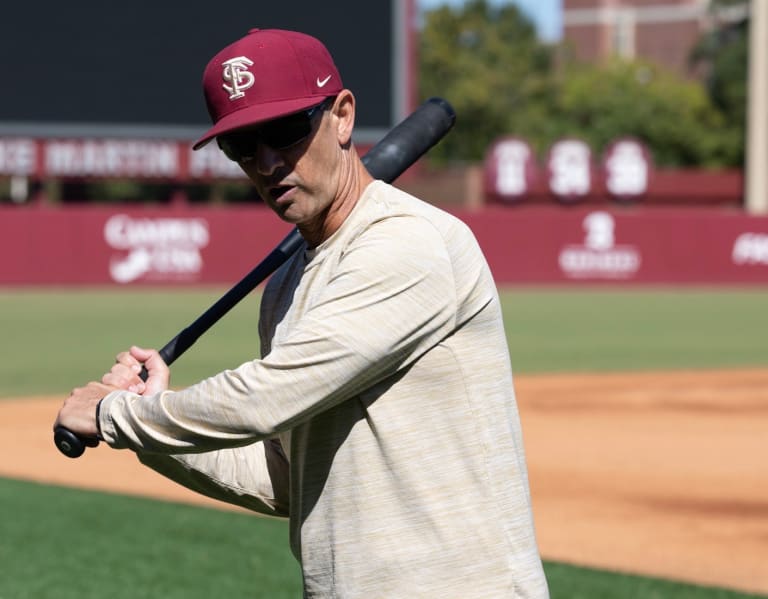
[253, 115]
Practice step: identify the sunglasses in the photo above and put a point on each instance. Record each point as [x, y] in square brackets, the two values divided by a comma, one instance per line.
[278, 134]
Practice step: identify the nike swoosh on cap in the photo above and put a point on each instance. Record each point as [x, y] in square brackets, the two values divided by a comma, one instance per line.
[322, 82]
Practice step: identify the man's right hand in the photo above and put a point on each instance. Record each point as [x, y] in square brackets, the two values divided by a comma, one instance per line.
[125, 372]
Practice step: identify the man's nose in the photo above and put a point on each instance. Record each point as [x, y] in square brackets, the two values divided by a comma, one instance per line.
[266, 160]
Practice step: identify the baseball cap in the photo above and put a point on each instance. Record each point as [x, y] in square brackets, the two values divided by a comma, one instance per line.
[267, 74]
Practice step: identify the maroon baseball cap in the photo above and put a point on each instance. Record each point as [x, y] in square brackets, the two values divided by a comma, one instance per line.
[267, 74]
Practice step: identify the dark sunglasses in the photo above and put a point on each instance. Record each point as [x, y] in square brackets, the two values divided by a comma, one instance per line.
[278, 134]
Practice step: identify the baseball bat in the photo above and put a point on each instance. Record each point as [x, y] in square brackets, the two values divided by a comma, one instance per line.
[388, 159]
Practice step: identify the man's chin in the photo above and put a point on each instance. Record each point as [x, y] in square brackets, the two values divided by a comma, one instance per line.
[288, 215]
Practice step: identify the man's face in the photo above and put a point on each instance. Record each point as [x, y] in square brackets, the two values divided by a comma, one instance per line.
[299, 182]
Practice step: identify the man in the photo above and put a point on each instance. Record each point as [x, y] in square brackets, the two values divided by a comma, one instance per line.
[381, 417]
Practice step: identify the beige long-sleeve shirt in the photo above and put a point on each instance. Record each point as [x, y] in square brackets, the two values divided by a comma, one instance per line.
[381, 418]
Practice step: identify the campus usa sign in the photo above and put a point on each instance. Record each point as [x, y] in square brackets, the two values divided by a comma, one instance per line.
[155, 248]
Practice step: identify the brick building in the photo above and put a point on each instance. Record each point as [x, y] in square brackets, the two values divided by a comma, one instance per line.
[662, 31]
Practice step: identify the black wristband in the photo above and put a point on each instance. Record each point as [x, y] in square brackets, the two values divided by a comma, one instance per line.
[98, 420]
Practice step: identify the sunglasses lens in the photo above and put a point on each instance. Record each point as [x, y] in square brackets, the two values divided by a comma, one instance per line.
[279, 134]
[285, 132]
[231, 148]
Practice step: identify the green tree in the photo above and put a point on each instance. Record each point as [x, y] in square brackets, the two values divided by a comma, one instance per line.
[486, 61]
[723, 55]
[672, 116]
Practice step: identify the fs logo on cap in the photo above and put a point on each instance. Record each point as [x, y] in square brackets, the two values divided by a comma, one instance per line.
[238, 76]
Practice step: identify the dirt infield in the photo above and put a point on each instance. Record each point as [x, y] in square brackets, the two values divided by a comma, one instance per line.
[662, 474]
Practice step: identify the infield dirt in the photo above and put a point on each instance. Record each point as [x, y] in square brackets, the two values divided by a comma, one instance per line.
[661, 474]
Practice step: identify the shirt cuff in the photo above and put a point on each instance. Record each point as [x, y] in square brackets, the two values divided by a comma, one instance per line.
[104, 423]
[98, 420]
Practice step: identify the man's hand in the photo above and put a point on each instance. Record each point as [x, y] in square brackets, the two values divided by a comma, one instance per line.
[78, 414]
[125, 372]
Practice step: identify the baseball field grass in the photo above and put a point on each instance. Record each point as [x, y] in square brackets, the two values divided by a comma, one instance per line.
[56, 339]
[67, 544]
[57, 542]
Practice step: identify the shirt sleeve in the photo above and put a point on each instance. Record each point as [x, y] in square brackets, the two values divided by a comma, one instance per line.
[254, 477]
[390, 298]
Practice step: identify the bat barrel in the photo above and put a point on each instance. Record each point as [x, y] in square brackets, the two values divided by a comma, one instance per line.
[410, 140]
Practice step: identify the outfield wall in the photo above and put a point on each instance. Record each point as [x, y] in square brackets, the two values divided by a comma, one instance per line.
[128, 245]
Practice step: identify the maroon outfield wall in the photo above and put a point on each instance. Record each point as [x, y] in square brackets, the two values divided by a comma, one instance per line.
[525, 244]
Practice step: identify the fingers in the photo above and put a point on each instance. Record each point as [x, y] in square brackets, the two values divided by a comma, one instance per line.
[124, 374]
[158, 374]
[141, 354]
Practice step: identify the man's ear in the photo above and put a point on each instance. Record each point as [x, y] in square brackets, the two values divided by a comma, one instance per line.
[344, 113]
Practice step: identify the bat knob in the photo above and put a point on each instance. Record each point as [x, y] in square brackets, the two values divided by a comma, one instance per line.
[70, 444]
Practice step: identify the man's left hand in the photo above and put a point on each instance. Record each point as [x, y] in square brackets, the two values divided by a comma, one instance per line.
[78, 414]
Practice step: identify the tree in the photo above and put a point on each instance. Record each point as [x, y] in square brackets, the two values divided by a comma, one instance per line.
[672, 116]
[502, 81]
[487, 62]
[723, 54]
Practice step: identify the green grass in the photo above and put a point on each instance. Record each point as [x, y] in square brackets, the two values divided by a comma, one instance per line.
[58, 543]
[600, 330]
[61, 543]
[55, 340]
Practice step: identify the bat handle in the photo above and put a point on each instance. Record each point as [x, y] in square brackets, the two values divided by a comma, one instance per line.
[70, 444]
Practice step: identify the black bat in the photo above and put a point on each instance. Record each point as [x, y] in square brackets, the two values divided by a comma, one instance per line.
[386, 160]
